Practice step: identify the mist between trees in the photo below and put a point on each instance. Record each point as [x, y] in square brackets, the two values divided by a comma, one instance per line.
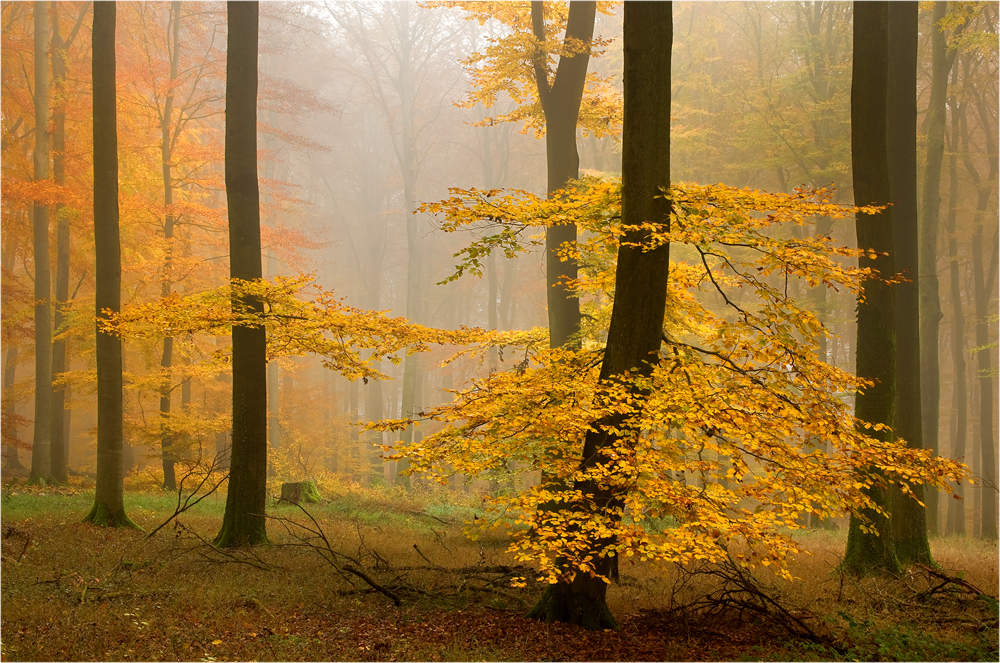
[599, 266]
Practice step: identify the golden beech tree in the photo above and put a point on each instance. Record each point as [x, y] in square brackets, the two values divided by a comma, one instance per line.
[744, 428]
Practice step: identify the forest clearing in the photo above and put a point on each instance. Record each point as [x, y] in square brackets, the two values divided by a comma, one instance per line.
[120, 596]
[516, 331]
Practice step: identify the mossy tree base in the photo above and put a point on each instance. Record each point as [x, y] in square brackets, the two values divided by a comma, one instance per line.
[249, 532]
[102, 516]
[868, 553]
[35, 480]
[576, 603]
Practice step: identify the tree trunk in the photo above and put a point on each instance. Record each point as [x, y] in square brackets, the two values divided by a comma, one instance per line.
[109, 505]
[640, 291]
[930, 305]
[59, 451]
[560, 103]
[959, 429]
[871, 552]
[166, 162]
[985, 276]
[243, 523]
[909, 518]
[41, 468]
[11, 453]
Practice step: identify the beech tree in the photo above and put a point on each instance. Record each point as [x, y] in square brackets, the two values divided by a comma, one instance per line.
[636, 328]
[109, 506]
[871, 549]
[243, 522]
[909, 516]
[42, 441]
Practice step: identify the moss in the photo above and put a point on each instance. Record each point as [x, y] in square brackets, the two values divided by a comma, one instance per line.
[102, 516]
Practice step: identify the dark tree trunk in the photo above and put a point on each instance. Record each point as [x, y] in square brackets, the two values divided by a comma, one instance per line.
[243, 523]
[641, 284]
[871, 552]
[560, 103]
[909, 518]
[109, 505]
[41, 468]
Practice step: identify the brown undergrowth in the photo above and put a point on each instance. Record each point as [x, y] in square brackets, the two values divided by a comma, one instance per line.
[71, 591]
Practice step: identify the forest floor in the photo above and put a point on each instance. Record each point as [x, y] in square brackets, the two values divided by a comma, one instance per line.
[71, 591]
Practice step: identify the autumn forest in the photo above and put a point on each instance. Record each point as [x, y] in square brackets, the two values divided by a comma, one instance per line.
[356, 330]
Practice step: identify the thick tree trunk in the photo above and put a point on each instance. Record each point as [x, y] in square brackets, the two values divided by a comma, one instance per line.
[909, 518]
[560, 103]
[41, 468]
[636, 326]
[109, 505]
[243, 523]
[872, 552]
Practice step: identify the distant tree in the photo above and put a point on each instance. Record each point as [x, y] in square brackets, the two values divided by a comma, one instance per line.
[243, 522]
[41, 446]
[109, 506]
[60, 419]
[867, 550]
[942, 60]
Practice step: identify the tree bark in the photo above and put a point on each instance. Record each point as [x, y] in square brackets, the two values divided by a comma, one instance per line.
[984, 276]
[910, 519]
[956, 508]
[243, 522]
[872, 552]
[41, 468]
[942, 59]
[109, 505]
[166, 161]
[636, 326]
[11, 453]
[560, 103]
[60, 429]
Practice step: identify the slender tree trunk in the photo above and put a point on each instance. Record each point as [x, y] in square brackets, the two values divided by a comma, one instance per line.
[60, 451]
[560, 103]
[41, 468]
[273, 403]
[640, 291]
[109, 505]
[11, 454]
[871, 552]
[243, 523]
[910, 519]
[166, 161]
[984, 277]
[959, 429]
[930, 305]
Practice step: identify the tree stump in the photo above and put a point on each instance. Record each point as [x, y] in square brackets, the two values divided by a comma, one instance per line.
[300, 491]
